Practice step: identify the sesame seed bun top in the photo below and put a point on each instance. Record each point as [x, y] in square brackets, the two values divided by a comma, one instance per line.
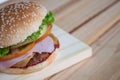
[18, 21]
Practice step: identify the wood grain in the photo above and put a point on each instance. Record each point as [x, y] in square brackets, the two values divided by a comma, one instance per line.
[102, 30]
[99, 25]
[96, 23]
[104, 65]
[53, 4]
[78, 13]
[94, 16]
[70, 14]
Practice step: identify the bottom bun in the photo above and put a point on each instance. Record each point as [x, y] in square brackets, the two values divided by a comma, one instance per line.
[34, 68]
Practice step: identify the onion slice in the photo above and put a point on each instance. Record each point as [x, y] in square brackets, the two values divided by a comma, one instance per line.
[22, 52]
[46, 45]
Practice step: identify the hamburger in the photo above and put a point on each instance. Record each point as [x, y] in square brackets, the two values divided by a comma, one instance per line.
[26, 42]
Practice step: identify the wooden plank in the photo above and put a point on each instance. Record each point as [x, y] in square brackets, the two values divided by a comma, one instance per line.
[71, 52]
[99, 25]
[104, 65]
[79, 12]
[49, 4]
[53, 4]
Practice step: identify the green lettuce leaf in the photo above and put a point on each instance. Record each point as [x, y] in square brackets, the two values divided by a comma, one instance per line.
[49, 18]
[4, 52]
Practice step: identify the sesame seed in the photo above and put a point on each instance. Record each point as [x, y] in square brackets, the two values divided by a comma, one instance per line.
[7, 21]
[13, 30]
[9, 12]
[14, 25]
[19, 19]
[5, 30]
[13, 12]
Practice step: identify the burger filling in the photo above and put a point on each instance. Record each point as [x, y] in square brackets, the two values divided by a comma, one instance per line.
[38, 54]
[49, 19]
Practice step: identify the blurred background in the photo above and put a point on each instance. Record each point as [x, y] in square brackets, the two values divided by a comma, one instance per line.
[80, 17]
[97, 23]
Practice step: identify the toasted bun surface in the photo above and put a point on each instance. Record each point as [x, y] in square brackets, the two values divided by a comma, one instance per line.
[34, 68]
[18, 21]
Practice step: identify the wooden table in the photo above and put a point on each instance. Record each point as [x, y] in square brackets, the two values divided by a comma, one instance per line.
[97, 23]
